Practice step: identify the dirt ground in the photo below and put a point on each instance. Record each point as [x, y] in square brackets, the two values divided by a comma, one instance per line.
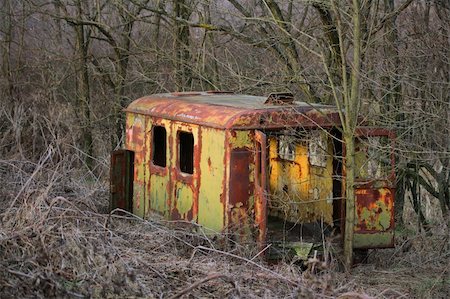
[56, 240]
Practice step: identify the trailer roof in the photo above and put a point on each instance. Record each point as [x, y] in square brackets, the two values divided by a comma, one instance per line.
[229, 110]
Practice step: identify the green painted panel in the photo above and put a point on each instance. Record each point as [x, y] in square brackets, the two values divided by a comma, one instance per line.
[184, 199]
[159, 193]
[374, 240]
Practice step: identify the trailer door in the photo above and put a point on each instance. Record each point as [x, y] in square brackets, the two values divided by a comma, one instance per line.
[121, 180]
[374, 189]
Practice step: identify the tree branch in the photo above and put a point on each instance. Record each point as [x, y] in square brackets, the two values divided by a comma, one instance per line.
[391, 15]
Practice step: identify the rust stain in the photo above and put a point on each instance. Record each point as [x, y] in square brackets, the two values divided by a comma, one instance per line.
[197, 173]
[240, 177]
[227, 111]
[374, 208]
[260, 186]
[175, 214]
[223, 195]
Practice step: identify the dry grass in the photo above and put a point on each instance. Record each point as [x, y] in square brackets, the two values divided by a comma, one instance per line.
[419, 267]
[56, 240]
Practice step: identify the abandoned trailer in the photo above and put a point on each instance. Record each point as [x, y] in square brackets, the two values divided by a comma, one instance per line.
[251, 166]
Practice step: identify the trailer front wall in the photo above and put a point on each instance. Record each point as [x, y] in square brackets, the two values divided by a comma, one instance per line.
[199, 197]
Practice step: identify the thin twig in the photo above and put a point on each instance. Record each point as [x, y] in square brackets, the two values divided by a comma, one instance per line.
[196, 284]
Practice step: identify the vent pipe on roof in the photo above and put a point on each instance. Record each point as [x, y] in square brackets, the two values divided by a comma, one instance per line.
[280, 98]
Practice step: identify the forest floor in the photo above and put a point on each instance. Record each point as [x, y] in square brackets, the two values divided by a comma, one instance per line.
[57, 240]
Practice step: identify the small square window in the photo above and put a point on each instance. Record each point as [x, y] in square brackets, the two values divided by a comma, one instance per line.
[186, 146]
[159, 146]
[317, 148]
[372, 157]
[286, 147]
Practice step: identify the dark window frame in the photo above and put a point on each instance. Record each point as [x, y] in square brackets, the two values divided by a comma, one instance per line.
[286, 149]
[159, 154]
[186, 152]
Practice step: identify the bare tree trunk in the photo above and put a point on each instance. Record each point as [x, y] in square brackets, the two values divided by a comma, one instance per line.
[289, 49]
[6, 15]
[182, 40]
[83, 88]
[157, 33]
[209, 67]
[349, 198]
[121, 102]
[392, 105]
[333, 59]
[352, 104]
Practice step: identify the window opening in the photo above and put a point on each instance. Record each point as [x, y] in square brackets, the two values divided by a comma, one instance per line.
[159, 146]
[186, 143]
[286, 147]
[372, 157]
[288, 142]
[317, 148]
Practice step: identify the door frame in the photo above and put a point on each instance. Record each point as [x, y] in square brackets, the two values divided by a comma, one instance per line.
[261, 190]
[368, 190]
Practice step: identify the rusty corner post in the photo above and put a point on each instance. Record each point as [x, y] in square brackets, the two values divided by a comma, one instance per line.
[261, 187]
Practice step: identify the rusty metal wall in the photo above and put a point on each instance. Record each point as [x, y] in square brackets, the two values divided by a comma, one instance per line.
[121, 180]
[240, 164]
[374, 225]
[220, 193]
[184, 186]
[375, 188]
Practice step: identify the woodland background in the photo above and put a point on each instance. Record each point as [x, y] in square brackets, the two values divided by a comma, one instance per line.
[69, 67]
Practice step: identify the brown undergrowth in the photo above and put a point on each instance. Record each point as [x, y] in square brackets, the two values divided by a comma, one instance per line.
[57, 240]
[419, 267]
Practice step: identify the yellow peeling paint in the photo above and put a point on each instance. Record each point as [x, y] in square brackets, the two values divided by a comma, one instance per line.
[300, 192]
[210, 208]
[148, 145]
